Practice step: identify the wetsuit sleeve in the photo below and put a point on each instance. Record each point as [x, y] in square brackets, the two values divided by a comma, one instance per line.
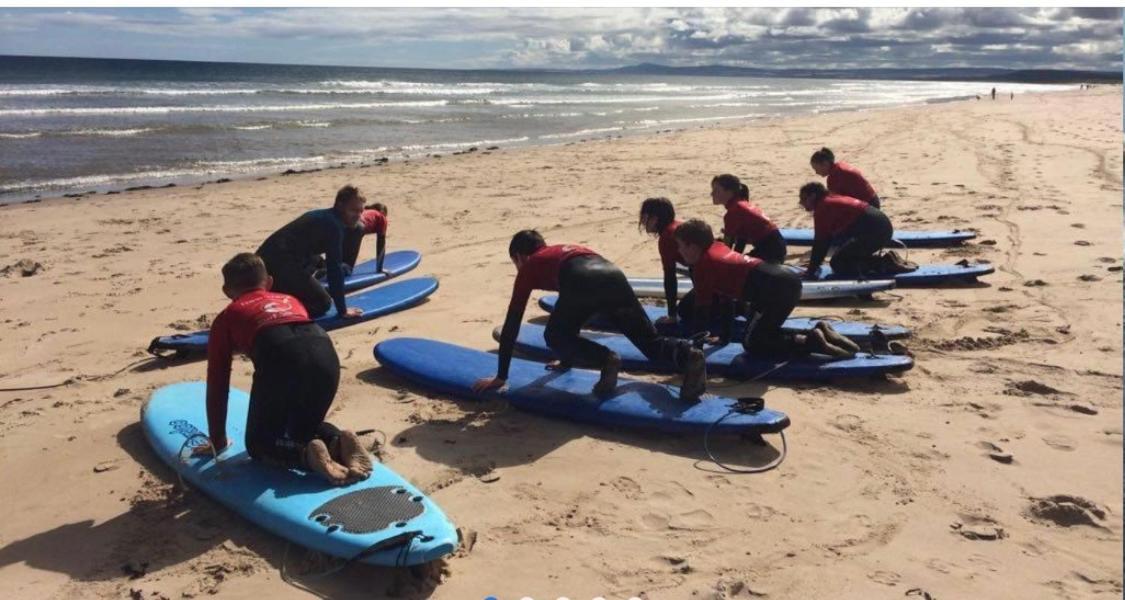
[380, 250]
[353, 239]
[219, 354]
[822, 239]
[333, 261]
[671, 289]
[739, 244]
[521, 291]
[703, 298]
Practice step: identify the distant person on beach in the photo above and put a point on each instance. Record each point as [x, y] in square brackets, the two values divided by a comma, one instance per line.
[843, 179]
[292, 253]
[859, 230]
[744, 222]
[373, 220]
[1011, 96]
[296, 372]
[726, 279]
[993, 93]
[587, 284]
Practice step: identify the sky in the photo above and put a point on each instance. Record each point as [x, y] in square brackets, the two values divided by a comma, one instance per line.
[471, 38]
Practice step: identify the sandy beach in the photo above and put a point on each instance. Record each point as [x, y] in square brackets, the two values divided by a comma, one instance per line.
[888, 488]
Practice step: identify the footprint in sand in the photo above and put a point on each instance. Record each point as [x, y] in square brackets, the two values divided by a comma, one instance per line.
[1060, 442]
[655, 521]
[1067, 511]
[848, 423]
[1089, 277]
[629, 488]
[693, 520]
[1082, 243]
[885, 577]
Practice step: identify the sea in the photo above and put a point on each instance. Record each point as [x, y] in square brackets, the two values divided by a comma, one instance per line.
[75, 126]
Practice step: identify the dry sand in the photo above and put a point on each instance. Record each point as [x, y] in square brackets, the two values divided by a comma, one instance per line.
[886, 485]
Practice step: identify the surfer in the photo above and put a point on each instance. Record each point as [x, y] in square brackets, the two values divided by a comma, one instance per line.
[744, 222]
[296, 372]
[770, 291]
[292, 253]
[587, 284]
[658, 217]
[860, 229]
[843, 178]
[373, 220]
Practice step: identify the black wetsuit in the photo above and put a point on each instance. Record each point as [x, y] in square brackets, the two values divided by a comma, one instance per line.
[292, 252]
[771, 248]
[589, 284]
[772, 292]
[871, 232]
[296, 372]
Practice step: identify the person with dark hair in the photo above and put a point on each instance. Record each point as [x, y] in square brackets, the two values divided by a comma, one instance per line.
[587, 284]
[292, 253]
[859, 230]
[373, 220]
[658, 217]
[729, 279]
[296, 373]
[843, 179]
[744, 222]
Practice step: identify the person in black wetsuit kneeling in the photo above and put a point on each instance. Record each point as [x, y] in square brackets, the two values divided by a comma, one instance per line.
[292, 252]
[725, 279]
[859, 229]
[587, 284]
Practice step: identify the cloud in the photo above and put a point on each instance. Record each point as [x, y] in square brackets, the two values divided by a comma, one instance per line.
[572, 37]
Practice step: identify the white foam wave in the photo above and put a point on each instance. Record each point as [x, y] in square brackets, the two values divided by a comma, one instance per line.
[159, 110]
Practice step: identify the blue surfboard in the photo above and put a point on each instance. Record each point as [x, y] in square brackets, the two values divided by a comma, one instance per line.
[375, 303]
[860, 332]
[452, 370]
[727, 360]
[653, 287]
[924, 275]
[301, 507]
[910, 239]
[394, 264]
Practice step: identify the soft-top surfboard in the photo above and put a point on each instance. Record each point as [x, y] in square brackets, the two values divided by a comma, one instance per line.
[383, 520]
[729, 360]
[453, 370]
[375, 303]
[394, 264]
[910, 239]
[860, 332]
[924, 275]
[653, 287]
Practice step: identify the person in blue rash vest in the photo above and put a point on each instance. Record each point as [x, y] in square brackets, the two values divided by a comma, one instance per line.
[292, 250]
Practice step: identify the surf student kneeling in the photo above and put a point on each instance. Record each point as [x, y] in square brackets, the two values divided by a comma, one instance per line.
[587, 284]
[727, 278]
[296, 372]
[859, 229]
[373, 220]
[658, 217]
[292, 252]
[843, 179]
[744, 222]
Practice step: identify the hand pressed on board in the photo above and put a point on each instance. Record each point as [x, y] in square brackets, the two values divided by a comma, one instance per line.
[353, 313]
[488, 383]
[666, 320]
[811, 273]
[206, 449]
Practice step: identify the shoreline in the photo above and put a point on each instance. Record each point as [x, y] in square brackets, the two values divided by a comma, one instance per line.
[462, 148]
[888, 486]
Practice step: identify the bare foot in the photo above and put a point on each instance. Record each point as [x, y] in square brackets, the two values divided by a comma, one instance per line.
[354, 456]
[558, 365]
[608, 381]
[815, 342]
[320, 462]
[835, 338]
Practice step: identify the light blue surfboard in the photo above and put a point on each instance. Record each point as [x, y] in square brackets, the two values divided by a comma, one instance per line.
[924, 275]
[383, 516]
[653, 287]
[394, 264]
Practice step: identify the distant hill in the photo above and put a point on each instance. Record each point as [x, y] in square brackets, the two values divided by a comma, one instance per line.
[951, 74]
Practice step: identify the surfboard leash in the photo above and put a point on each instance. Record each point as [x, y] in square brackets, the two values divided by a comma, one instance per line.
[77, 378]
[746, 406]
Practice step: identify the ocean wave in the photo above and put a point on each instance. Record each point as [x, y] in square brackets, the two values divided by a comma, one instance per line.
[20, 136]
[160, 110]
[579, 133]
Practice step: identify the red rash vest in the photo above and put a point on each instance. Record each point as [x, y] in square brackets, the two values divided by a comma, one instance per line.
[721, 271]
[233, 331]
[669, 251]
[846, 180]
[541, 271]
[746, 221]
[373, 221]
[834, 214]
